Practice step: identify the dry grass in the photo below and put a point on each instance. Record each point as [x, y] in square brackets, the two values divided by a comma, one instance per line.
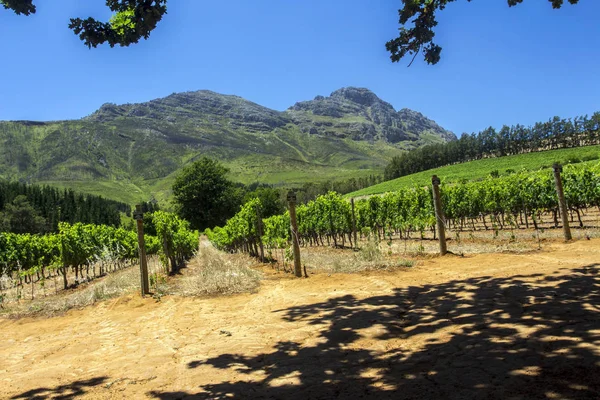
[515, 241]
[113, 285]
[370, 257]
[484, 242]
[399, 253]
[210, 273]
[213, 272]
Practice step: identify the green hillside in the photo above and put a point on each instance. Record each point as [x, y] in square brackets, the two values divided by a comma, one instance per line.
[132, 152]
[478, 169]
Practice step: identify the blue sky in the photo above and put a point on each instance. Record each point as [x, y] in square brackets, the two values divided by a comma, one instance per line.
[499, 65]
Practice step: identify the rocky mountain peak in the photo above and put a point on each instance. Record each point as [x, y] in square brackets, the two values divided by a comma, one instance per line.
[360, 114]
[361, 96]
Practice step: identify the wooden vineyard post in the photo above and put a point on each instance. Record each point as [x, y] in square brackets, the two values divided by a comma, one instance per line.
[562, 203]
[354, 224]
[260, 233]
[291, 198]
[439, 214]
[138, 215]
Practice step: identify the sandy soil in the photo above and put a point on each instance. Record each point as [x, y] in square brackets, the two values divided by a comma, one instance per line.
[488, 326]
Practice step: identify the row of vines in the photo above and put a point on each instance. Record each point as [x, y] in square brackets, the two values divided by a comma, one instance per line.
[84, 251]
[514, 201]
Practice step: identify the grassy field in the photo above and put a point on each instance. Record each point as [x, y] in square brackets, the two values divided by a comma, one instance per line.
[478, 169]
[283, 173]
[124, 191]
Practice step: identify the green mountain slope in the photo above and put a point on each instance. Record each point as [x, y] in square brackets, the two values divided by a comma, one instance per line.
[132, 152]
[479, 169]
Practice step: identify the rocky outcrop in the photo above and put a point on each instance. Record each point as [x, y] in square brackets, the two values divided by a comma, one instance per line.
[202, 108]
[359, 114]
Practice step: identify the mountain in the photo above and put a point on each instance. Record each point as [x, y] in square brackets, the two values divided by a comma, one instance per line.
[204, 108]
[359, 114]
[128, 152]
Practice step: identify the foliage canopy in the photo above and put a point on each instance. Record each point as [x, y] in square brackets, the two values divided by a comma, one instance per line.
[135, 19]
[418, 20]
[203, 194]
[21, 217]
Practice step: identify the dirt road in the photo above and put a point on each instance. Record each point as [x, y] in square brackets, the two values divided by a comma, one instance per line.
[498, 326]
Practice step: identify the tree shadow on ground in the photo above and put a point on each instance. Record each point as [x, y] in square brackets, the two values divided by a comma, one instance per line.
[520, 337]
[62, 392]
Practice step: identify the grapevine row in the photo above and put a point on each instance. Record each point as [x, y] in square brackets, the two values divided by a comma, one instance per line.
[512, 201]
[90, 251]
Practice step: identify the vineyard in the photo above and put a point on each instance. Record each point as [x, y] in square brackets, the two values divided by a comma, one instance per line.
[521, 200]
[82, 252]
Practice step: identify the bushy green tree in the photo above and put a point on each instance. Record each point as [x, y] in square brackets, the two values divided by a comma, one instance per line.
[270, 200]
[21, 217]
[204, 196]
